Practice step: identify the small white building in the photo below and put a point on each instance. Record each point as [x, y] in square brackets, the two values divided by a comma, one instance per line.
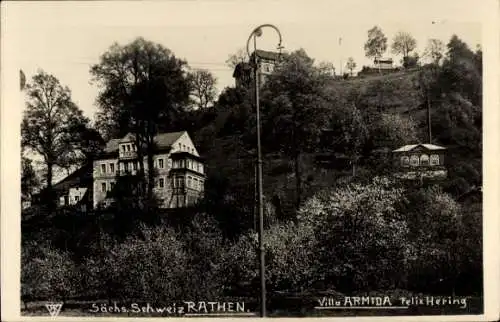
[383, 63]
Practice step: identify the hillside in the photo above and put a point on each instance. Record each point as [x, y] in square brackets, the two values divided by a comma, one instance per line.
[231, 152]
[392, 93]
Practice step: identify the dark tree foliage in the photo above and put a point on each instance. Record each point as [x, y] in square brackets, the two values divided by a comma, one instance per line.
[144, 88]
[49, 125]
[29, 179]
[203, 88]
[295, 105]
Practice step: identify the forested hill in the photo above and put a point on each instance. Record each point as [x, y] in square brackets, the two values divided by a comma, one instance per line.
[347, 121]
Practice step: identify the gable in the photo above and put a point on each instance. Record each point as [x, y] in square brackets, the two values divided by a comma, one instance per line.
[184, 144]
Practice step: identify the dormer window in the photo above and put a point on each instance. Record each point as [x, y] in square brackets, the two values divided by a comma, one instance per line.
[128, 147]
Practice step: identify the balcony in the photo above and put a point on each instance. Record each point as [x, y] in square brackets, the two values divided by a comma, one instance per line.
[128, 155]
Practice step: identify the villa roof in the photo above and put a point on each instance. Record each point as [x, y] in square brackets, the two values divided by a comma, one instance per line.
[409, 147]
[162, 140]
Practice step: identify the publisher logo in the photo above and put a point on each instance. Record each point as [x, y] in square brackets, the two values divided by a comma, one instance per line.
[54, 308]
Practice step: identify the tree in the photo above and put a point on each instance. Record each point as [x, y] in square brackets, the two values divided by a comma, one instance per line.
[393, 130]
[403, 44]
[144, 89]
[203, 88]
[239, 56]
[29, 179]
[22, 80]
[290, 261]
[376, 45]
[294, 101]
[360, 237]
[161, 275]
[50, 123]
[434, 50]
[435, 230]
[350, 65]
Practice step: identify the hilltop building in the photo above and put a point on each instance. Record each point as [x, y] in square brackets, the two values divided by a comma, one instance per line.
[180, 173]
[243, 72]
[380, 66]
[383, 63]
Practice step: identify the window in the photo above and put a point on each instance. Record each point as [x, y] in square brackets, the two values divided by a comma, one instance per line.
[424, 160]
[405, 161]
[189, 182]
[103, 187]
[180, 182]
[189, 164]
[182, 163]
[160, 163]
[77, 198]
[122, 167]
[161, 182]
[103, 168]
[414, 160]
[184, 147]
[112, 167]
[434, 159]
[134, 164]
[123, 148]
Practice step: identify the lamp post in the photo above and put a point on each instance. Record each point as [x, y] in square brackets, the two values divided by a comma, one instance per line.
[257, 32]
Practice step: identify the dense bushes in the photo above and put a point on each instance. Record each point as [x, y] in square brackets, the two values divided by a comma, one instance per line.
[360, 237]
[47, 273]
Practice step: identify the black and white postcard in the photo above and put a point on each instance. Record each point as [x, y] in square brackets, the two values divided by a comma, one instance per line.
[223, 159]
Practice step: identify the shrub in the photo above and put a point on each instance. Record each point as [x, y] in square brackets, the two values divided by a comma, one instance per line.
[289, 258]
[361, 238]
[439, 238]
[205, 251]
[152, 267]
[47, 273]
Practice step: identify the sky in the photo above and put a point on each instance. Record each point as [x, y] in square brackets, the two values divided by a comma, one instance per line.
[65, 38]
